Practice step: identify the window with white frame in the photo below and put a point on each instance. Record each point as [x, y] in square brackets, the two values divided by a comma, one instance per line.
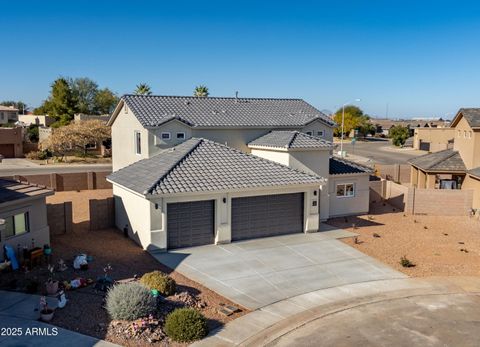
[320, 133]
[138, 142]
[16, 225]
[345, 190]
[465, 134]
[165, 136]
[181, 136]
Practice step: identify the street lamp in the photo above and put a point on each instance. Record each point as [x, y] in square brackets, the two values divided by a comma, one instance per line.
[343, 121]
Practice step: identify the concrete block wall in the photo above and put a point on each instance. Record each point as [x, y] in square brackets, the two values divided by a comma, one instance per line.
[59, 218]
[69, 181]
[102, 214]
[395, 172]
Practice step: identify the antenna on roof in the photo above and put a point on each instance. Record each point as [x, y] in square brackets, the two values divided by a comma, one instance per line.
[236, 95]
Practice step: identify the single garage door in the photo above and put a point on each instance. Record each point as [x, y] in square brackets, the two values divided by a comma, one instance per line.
[8, 151]
[190, 224]
[267, 215]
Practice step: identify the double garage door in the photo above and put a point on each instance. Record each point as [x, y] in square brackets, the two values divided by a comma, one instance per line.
[193, 223]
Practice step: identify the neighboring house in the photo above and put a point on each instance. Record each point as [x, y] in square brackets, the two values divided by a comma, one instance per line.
[8, 114]
[40, 120]
[383, 126]
[83, 117]
[433, 139]
[24, 210]
[11, 142]
[190, 171]
[457, 168]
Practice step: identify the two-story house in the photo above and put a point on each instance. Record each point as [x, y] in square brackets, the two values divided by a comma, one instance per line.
[455, 168]
[8, 114]
[190, 171]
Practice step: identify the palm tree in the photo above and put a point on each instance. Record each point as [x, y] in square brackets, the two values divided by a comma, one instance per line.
[201, 91]
[143, 89]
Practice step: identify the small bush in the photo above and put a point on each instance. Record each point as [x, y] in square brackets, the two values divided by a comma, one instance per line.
[37, 155]
[159, 281]
[129, 301]
[405, 262]
[185, 325]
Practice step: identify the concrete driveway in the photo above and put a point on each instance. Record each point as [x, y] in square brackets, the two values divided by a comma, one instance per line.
[259, 272]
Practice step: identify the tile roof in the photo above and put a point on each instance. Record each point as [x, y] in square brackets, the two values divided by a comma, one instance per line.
[446, 161]
[339, 166]
[200, 165]
[475, 172]
[290, 139]
[152, 111]
[472, 116]
[8, 108]
[11, 190]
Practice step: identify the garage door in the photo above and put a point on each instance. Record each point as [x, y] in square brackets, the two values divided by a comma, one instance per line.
[267, 215]
[8, 151]
[190, 224]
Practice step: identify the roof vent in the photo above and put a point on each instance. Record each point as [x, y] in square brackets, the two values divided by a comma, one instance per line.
[187, 102]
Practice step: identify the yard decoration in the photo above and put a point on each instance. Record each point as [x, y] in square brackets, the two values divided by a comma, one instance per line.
[62, 266]
[80, 262]
[105, 282]
[46, 313]
[62, 299]
[51, 284]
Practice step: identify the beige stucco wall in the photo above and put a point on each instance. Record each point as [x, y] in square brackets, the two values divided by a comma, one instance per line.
[282, 157]
[437, 137]
[317, 126]
[358, 204]
[148, 220]
[123, 140]
[467, 143]
[473, 183]
[38, 224]
[134, 211]
[36, 119]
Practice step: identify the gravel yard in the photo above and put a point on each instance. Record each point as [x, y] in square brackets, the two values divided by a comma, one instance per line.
[437, 245]
[84, 312]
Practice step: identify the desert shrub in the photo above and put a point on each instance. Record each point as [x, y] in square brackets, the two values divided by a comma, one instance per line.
[185, 325]
[405, 262]
[37, 155]
[159, 281]
[129, 301]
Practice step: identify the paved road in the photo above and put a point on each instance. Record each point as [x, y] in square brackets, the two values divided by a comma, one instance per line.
[430, 320]
[380, 152]
[10, 167]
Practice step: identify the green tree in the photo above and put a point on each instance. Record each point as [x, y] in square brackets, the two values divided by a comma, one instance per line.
[32, 133]
[19, 105]
[365, 126]
[105, 101]
[84, 91]
[201, 91]
[353, 118]
[61, 103]
[399, 134]
[143, 89]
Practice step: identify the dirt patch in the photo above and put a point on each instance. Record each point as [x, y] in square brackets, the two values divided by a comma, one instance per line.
[437, 245]
[84, 312]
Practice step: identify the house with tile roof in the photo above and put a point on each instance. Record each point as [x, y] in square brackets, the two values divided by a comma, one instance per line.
[457, 167]
[190, 171]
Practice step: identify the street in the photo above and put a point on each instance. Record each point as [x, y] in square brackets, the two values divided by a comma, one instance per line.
[379, 152]
[11, 167]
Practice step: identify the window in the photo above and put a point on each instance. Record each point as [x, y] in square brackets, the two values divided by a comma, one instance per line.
[309, 133]
[138, 143]
[2, 117]
[126, 108]
[320, 133]
[16, 225]
[165, 136]
[345, 190]
[465, 134]
[469, 134]
[180, 136]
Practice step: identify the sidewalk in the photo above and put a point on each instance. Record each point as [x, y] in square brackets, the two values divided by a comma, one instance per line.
[268, 323]
[20, 311]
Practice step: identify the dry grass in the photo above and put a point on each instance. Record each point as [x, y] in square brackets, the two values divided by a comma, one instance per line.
[435, 244]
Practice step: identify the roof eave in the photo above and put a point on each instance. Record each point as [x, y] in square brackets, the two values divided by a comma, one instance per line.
[115, 113]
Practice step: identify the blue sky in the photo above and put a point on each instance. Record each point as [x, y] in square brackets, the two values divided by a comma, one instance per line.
[420, 57]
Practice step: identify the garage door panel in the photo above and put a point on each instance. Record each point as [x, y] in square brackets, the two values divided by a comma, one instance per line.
[268, 215]
[190, 224]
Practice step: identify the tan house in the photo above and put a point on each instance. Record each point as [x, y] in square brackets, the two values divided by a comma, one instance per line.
[11, 142]
[456, 168]
[36, 119]
[24, 211]
[8, 114]
[190, 171]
